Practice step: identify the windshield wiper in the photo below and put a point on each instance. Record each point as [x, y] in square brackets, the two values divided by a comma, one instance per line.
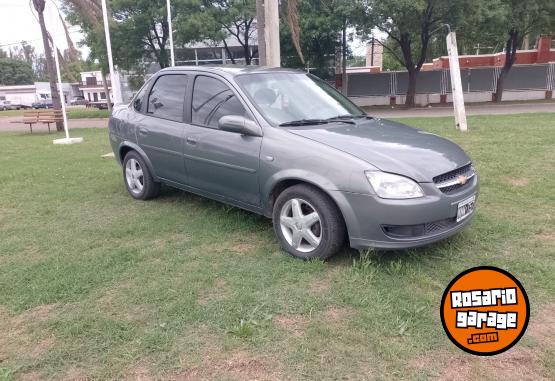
[348, 118]
[304, 122]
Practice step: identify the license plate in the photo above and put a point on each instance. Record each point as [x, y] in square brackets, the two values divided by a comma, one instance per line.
[465, 208]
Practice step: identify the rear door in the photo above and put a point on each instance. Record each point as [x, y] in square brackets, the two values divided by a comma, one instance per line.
[160, 129]
[220, 162]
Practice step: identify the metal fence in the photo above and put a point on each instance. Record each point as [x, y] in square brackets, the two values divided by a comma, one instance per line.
[521, 77]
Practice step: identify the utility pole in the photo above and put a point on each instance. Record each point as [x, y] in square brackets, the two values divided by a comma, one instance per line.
[170, 31]
[344, 78]
[115, 81]
[271, 33]
[260, 31]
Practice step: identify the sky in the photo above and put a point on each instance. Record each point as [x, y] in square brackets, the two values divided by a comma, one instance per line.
[17, 23]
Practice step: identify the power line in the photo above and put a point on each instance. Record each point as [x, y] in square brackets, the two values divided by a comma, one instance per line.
[37, 39]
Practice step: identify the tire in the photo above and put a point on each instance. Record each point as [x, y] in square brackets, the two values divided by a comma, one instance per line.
[139, 182]
[319, 240]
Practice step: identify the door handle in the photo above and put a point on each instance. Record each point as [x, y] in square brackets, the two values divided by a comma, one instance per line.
[191, 141]
[143, 131]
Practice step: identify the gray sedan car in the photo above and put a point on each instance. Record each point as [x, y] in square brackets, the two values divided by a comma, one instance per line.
[286, 145]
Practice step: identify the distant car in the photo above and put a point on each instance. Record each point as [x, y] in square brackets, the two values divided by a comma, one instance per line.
[78, 101]
[7, 105]
[43, 103]
[102, 106]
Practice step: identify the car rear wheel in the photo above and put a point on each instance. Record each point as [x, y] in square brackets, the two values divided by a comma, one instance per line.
[307, 223]
[138, 179]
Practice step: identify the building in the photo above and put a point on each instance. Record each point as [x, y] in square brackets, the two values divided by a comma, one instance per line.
[28, 94]
[92, 86]
[544, 53]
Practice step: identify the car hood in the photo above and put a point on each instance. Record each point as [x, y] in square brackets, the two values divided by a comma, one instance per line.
[391, 147]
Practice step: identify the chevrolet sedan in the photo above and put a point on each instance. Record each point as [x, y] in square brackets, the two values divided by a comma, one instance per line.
[286, 145]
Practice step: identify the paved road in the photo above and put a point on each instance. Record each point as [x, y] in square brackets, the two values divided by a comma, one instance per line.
[489, 109]
[6, 125]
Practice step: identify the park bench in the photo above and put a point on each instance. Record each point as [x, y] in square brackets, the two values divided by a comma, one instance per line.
[47, 117]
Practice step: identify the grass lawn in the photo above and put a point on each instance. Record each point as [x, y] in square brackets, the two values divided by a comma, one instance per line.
[94, 284]
[72, 113]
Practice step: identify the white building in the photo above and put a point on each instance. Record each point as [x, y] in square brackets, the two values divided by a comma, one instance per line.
[92, 86]
[28, 94]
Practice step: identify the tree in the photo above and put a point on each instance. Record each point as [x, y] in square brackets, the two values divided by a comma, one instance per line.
[231, 18]
[39, 6]
[320, 30]
[411, 25]
[15, 72]
[520, 19]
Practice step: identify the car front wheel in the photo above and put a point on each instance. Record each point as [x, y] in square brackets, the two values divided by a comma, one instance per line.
[138, 179]
[307, 223]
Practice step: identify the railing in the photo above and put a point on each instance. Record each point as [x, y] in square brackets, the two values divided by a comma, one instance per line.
[94, 84]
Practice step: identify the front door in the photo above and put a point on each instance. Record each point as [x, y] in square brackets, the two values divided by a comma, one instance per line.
[220, 162]
[160, 129]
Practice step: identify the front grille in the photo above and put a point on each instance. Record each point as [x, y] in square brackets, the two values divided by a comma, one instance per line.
[421, 230]
[449, 182]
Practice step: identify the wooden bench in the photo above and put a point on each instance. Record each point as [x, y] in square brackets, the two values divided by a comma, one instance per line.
[47, 117]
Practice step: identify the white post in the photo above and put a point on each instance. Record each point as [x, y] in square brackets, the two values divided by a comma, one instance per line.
[60, 86]
[271, 33]
[456, 82]
[67, 140]
[115, 90]
[170, 30]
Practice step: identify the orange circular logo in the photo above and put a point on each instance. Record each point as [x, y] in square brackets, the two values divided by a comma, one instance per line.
[485, 311]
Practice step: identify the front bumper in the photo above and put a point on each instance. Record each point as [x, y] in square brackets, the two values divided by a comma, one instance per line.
[369, 218]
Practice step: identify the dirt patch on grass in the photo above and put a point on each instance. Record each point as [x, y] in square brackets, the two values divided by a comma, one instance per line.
[219, 291]
[319, 286]
[294, 324]
[546, 236]
[238, 365]
[243, 247]
[337, 315]
[519, 363]
[139, 373]
[542, 326]
[519, 182]
[16, 341]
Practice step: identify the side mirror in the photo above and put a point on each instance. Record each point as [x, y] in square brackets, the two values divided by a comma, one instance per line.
[239, 124]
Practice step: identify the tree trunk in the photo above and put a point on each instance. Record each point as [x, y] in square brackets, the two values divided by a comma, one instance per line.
[50, 66]
[106, 90]
[500, 85]
[344, 78]
[246, 45]
[229, 53]
[260, 25]
[411, 88]
[510, 58]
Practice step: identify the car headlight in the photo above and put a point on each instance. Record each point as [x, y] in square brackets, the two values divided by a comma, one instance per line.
[387, 185]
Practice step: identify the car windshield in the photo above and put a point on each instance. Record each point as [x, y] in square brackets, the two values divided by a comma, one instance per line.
[296, 99]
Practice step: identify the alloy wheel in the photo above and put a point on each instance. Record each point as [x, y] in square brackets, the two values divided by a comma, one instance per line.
[134, 176]
[301, 225]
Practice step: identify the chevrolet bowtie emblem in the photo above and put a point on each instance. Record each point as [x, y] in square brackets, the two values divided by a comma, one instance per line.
[463, 180]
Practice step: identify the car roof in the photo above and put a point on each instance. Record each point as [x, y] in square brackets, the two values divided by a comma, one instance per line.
[231, 70]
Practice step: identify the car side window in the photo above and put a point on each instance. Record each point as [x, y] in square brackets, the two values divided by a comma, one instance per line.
[213, 99]
[167, 97]
[139, 98]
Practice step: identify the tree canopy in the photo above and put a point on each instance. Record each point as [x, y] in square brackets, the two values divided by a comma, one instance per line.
[15, 72]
